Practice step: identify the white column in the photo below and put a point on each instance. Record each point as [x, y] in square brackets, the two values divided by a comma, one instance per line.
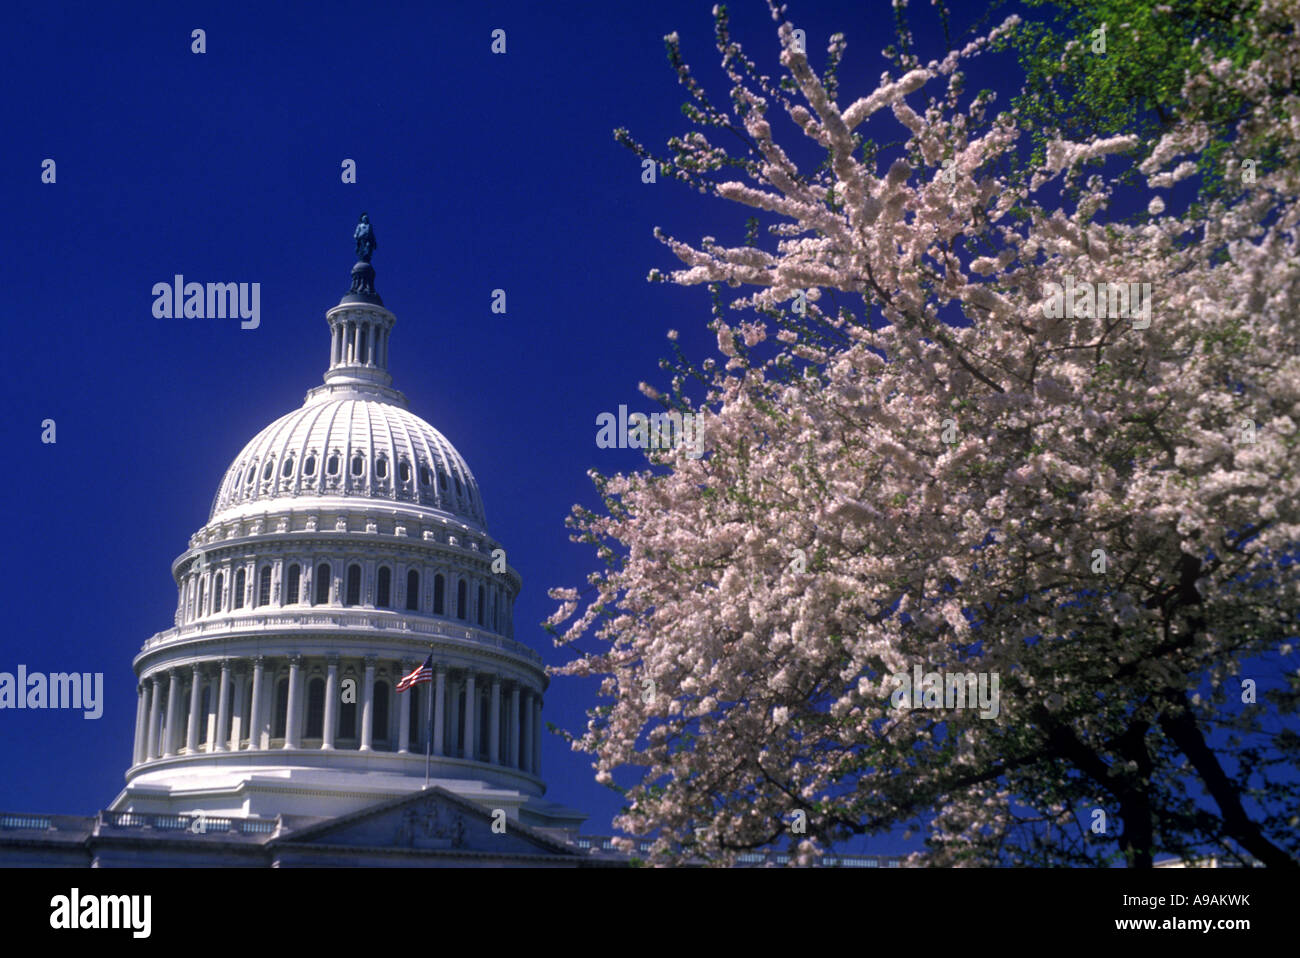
[368, 706]
[494, 730]
[223, 708]
[439, 703]
[471, 713]
[173, 714]
[331, 702]
[255, 706]
[512, 730]
[210, 720]
[141, 723]
[196, 696]
[537, 736]
[237, 707]
[453, 716]
[291, 710]
[526, 746]
[404, 719]
[155, 718]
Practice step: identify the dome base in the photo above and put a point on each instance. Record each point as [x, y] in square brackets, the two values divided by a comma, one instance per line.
[242, 792]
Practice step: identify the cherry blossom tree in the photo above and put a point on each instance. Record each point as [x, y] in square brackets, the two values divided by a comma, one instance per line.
[940, 441]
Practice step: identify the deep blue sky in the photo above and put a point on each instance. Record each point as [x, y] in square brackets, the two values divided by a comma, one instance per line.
[478, 171]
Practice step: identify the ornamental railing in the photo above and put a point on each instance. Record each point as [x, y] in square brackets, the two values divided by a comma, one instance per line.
[194, 824]
[41, 823]
[342, 620]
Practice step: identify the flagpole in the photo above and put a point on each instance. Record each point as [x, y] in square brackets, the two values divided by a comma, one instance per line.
[428, 730]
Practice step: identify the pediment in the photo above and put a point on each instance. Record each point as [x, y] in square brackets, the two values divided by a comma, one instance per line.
[430, 820]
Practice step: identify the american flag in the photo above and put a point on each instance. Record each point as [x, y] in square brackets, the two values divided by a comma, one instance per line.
[423, 674]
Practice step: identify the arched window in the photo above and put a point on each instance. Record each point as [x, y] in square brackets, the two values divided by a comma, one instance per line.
[266, 470]
[358, 465]
[309, 466]
[291, 585]
[281, 709]
[287, 469]
[460, 599]
[380, 733]
[479, 610]
[323, 584]
[348, 717]
[237, 600]
[332, 465]
[404, 471]
[316, 708]
[264, 586]
[381, 467]
[439, 601]
[413, 590]
[354, 585]
[384, 587]
[217, 586]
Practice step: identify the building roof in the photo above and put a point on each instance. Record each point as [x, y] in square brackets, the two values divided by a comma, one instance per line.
[351, 446]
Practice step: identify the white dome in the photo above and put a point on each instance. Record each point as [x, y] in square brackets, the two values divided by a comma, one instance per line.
[355, 445]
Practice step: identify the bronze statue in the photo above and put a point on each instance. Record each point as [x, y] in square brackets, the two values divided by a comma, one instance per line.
[365, 237]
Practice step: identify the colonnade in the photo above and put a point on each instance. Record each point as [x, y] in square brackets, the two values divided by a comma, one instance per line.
[329, 702]
[359, 343]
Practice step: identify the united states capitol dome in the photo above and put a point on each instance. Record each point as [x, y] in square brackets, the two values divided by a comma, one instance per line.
[345, 546]
[352, 445]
